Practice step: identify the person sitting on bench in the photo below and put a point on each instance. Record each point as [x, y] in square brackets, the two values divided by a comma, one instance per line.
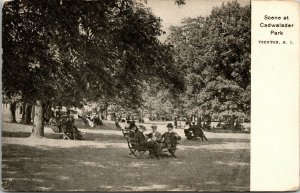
[147, 144]
[198, 131]
[68, 127]
[169, 139]
[154, 135]
[186, 128]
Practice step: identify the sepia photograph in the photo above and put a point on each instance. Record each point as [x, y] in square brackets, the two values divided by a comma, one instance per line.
[126, 95]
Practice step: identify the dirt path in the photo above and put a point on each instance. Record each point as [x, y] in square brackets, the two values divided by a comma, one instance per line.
[161, 128]
[46, 142]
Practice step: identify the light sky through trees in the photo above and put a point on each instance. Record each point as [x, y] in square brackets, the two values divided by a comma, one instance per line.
[172, 14]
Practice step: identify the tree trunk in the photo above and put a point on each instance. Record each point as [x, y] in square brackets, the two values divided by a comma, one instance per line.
[142, 113]
[28, 114]
[32, 111]
[23, 112]
[106, 113]
[12, 109]
[101, 114]
[38, 120]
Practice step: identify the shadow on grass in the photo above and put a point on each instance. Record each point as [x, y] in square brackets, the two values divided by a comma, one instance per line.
[26, 168]
[214, 141]
[26, 134]
[15, 134]
[97, 137]
[19, 123]
[103, 137]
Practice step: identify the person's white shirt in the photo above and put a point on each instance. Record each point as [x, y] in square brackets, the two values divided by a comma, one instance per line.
[126, 125]
[153, 135]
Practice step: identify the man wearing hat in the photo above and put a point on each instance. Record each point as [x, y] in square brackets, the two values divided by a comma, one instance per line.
[170, 128]
[170, 138]
[151, 145]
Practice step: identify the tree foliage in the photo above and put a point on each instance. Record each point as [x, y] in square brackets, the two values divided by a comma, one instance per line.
[213, 52]
[69, 52]
[82, 49]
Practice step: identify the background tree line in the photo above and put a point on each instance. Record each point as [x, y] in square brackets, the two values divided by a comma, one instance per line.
[213, 55]
[70, 53]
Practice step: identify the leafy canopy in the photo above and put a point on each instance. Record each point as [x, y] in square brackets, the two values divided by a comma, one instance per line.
[70, 52]
[213, 52]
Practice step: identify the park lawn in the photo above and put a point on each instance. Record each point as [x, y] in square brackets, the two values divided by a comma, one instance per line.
[106, 125]
[110, 168]
[80, 124]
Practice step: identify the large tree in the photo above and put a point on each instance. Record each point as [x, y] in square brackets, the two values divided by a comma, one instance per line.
[214, 54]
[69, 52]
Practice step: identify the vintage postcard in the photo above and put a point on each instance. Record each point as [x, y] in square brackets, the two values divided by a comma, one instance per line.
[150, 95]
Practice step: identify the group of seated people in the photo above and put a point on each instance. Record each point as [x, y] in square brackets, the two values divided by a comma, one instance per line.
[155, 141]
[66, 124]
[230, 125]
[194, 131]
[91, 121]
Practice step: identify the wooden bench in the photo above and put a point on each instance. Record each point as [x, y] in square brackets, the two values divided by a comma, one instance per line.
[137, 151]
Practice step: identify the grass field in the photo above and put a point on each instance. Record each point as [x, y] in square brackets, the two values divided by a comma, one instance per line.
[102, 162]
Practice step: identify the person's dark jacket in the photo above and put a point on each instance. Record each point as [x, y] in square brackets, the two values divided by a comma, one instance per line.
[197, 130]
[170, 139]
[140, 138]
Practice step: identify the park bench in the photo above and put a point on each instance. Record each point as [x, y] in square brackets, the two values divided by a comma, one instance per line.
[137, 151]
[71, 134]
[68, 130]
[66, 136]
